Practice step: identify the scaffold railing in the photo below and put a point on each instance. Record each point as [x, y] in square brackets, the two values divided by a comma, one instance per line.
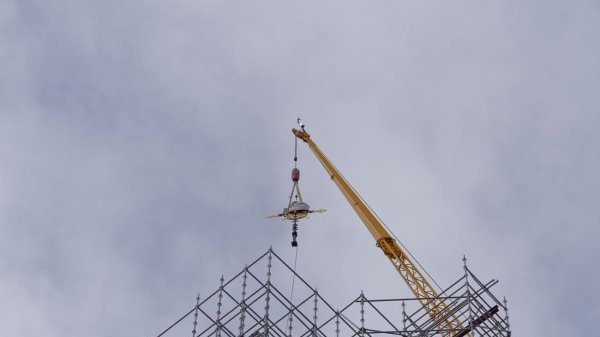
[251, 305]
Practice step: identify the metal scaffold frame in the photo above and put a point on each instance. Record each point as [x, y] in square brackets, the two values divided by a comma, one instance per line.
[264, 310]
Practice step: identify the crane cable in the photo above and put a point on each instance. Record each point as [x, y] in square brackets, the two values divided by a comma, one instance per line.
[389, 230]
[289, 321]
[295, 151]
[400, 242]
[287, 325]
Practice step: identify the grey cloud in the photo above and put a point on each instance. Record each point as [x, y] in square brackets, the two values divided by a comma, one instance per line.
[143, 142]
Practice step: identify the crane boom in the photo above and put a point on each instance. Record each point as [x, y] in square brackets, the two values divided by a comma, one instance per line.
[418, 284]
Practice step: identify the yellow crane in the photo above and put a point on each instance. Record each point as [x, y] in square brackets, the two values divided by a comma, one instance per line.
[418, 284]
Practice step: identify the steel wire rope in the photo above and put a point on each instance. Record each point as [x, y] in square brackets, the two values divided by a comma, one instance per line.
[287, 325]
[383, 223]
[296, 150]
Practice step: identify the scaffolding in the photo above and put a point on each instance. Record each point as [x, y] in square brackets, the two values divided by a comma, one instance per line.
[251, 305]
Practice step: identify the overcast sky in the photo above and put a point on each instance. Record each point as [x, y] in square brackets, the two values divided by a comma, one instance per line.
[143, 142]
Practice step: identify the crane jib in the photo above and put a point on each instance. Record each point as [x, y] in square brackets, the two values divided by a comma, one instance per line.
[412, 276]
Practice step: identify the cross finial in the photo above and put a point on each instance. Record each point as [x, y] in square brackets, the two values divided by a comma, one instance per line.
[300, 123]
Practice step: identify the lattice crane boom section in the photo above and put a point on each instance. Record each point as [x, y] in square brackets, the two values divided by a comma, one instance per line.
[425, 294]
